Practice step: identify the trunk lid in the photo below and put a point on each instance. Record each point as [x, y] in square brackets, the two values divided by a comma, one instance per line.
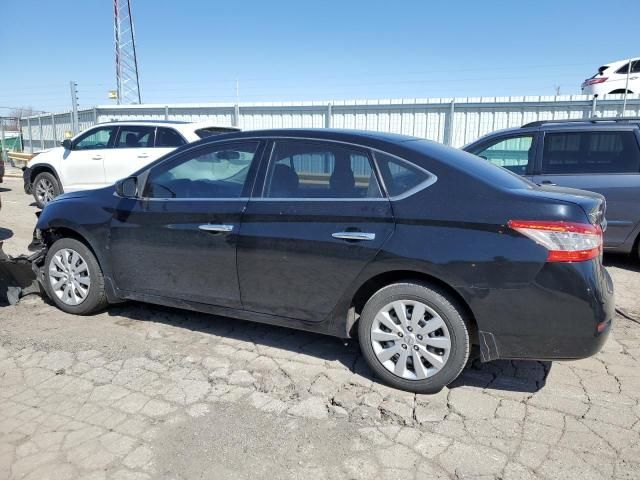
[593, 204]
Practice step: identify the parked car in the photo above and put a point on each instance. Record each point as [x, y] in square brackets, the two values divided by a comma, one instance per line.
[418, 249]
[105, 153]
[600, 155]
[612, 78]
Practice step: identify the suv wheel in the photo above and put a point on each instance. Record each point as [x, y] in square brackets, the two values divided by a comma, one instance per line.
[73, 278]
[45, 188]
[414, 337]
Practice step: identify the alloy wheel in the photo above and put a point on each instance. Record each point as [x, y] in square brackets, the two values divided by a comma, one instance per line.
[69, 277]
[410, 339]
[45, 191]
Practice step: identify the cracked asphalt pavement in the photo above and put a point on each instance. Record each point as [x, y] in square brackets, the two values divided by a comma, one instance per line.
[141, 392]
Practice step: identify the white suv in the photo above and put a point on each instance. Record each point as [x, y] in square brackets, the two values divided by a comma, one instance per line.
[612, 78]
[106, 153]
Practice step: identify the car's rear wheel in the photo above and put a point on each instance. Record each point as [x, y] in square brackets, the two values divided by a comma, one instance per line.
[414, 336]
[73, 278]
[45, 188]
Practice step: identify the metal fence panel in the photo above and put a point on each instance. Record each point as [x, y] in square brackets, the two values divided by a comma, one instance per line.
[455, 121]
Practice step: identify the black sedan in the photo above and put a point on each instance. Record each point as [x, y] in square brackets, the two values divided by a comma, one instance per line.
[419, 250]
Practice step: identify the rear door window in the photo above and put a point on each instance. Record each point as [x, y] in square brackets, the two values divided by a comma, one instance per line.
[301, 169]
[513, 153]
[635, 68]
[590, 152]
[168, 138]
[135, 137]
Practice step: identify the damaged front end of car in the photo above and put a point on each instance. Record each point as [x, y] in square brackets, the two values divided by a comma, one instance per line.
[22, 275]
[19, 275]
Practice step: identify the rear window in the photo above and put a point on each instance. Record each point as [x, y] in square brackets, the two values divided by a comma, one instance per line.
[469, 164]
[209, 131]
[590, 152]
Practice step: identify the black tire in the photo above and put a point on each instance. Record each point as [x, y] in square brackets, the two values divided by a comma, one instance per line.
[45, 182]
[96, 298]
[445, 306]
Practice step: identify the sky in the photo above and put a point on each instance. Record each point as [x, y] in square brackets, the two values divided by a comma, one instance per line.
[196, 50]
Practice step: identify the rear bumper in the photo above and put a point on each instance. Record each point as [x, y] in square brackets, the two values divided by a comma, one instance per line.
[566, 313]
[597, 89]
[26, 178]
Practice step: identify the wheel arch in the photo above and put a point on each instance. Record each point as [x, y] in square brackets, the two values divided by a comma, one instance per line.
[39, 168]
[620, 91]
[52, 234]
[376, 282]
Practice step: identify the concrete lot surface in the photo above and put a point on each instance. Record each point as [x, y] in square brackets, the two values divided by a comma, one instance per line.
[142, 392]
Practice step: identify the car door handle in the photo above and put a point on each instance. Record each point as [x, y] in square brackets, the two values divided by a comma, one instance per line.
[97, 157]
[354, 236]
[143, 155]
[547, 182]
[216, 228]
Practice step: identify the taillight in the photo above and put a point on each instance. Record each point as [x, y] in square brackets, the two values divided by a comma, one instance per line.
[593, 81]
[565, 241]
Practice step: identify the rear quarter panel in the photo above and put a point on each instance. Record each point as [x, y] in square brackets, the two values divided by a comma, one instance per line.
[456, 231]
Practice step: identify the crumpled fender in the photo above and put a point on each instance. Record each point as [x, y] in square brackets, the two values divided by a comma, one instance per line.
[17, 276]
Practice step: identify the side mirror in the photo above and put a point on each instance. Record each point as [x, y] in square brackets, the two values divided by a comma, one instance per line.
[66, 143]
[483, 157]
[128, 187]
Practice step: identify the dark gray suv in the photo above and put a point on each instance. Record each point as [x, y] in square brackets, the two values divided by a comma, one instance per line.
[601, 155]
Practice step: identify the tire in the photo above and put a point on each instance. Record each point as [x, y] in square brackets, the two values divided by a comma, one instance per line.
[87, 277]
[438, 306]
[45, 188]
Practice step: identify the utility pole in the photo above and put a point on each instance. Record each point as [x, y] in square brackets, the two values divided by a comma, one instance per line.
[74, 106]
[1, 138]
[236, 107]
[626, 88]
[127, 78]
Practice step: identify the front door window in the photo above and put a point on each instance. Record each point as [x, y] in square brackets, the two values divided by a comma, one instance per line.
[214, 172]
[513, 153]
[101, 137]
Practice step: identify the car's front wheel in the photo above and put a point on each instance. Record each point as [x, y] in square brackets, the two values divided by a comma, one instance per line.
[414, 336]
[45, 188]
[73, 278]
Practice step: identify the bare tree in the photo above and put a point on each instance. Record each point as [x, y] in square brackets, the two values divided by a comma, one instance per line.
[16, 113]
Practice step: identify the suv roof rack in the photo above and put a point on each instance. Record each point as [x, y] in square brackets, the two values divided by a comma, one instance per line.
[585, 120]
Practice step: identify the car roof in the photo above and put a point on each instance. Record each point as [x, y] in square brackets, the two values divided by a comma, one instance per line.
[618, 63]
[176, 123]
[363, 137]
[146, 122]
[602, 123]
[587, 122]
